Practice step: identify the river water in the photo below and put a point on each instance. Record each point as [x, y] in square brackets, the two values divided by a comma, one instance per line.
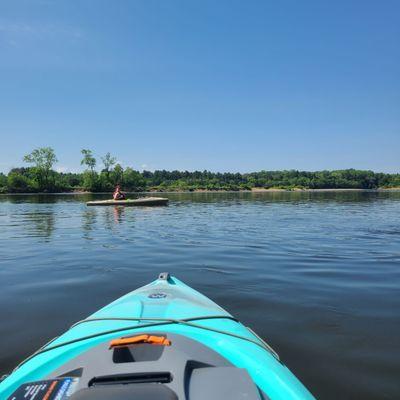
[317, 275]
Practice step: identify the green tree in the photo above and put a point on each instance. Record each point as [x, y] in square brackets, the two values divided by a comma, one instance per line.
[91, 181]
[104, 182]
[88, 159]
[37, 178]
[43, 159]
[3, 183]
[90, 177]
[18, 183]
[117, 175]
[133, 180]
[108, 162]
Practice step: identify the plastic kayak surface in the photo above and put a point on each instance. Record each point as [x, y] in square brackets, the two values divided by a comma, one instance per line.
[144, 201]
[167, 298]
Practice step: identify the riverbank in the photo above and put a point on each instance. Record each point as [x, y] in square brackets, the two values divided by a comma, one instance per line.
[262, 190]
[253, 190]
[32, 180]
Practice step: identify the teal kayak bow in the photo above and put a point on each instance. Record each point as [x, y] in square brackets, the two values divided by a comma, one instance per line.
[162, 341]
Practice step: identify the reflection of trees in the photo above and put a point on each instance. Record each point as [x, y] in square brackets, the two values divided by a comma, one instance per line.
[107, 218]
[333, 196]
[43, 223]
[89, 217]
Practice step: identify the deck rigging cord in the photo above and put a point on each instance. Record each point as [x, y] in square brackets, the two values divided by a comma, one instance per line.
[155, 322]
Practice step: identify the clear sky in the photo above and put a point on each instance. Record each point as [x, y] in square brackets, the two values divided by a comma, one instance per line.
[196, 84]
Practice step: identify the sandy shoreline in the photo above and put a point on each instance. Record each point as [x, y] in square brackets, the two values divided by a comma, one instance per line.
[262, 190]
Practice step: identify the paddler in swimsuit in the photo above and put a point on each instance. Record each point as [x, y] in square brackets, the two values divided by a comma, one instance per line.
[118, 195]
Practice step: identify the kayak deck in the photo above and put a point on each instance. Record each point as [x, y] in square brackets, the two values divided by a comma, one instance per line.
[144, 201]
[183, 369]
[208, 349]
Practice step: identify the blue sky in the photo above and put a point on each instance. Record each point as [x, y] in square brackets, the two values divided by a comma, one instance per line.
[197, 84]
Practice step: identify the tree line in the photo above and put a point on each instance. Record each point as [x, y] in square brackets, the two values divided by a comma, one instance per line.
[40, 176]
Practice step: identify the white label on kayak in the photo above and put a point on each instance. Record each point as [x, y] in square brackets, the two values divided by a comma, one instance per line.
[52, 389]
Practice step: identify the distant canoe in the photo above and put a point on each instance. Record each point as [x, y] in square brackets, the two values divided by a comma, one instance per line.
[144, 201]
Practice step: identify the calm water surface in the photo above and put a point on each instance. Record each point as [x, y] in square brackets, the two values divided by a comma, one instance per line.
[315, 274]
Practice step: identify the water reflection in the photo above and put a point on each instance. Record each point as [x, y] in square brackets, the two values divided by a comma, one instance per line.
[340, 196]
[44, 198]
[89, 219]
[42, 223]
[118, 213]
[101, 217]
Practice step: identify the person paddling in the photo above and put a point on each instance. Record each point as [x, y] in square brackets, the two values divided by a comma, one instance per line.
[118, 195]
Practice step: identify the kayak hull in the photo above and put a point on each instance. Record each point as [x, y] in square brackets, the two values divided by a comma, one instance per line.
[144, 201]
[168, 298]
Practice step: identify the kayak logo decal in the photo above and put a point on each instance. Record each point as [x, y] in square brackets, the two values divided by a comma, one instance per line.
[157, 295]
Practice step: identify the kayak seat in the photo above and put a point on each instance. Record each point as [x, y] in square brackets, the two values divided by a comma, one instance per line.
[222, 383]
